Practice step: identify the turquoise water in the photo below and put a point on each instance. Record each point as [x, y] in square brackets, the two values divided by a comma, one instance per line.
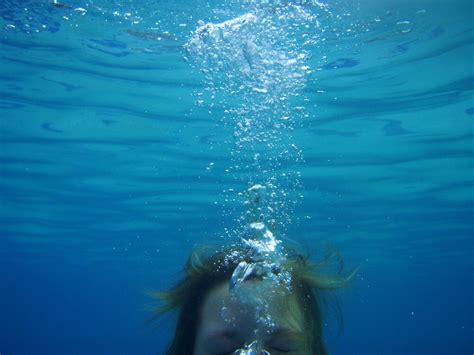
[111, 170]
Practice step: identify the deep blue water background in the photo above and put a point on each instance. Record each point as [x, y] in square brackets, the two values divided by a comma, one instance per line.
[104, 187]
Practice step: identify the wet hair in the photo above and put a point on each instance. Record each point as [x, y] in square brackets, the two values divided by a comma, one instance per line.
[205, 270]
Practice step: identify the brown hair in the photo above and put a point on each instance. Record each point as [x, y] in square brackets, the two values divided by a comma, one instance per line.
[204, 271]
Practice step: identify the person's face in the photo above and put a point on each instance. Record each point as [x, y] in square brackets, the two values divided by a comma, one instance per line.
[228, 323]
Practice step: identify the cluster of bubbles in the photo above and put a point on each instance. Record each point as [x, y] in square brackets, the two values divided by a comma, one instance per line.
[255, 66]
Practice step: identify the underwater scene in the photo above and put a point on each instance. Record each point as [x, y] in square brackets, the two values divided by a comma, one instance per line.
[313, 159]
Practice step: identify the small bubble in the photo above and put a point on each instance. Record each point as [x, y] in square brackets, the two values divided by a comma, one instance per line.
[81, 11]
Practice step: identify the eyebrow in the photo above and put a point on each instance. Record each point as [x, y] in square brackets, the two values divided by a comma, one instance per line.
[231, 334]
[285, 332]
[226, 331]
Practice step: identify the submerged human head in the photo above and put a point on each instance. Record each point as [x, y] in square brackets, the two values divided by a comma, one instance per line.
[272, 320]
[280, 317]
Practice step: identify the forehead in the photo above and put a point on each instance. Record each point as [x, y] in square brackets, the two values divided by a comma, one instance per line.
[279, 307]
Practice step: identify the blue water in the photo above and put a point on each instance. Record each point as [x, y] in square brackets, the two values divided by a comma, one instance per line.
[106, 179]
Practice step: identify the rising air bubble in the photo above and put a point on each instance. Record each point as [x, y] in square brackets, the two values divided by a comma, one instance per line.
[254, 64]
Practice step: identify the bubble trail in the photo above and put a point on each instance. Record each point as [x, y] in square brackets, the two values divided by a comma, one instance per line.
[254, 65]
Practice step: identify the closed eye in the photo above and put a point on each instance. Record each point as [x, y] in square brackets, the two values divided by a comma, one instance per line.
[283, 349]
[287, 342]
[225, 351]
